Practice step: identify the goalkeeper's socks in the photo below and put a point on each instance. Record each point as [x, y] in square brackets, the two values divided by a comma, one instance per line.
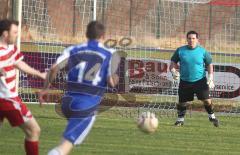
[180, 119]
[211, 116]
[181, 109]
[179, 122]
[31, 147]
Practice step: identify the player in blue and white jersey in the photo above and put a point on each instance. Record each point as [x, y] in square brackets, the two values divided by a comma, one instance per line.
[91, 68]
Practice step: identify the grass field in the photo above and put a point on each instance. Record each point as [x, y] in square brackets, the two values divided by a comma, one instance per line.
[116, 135]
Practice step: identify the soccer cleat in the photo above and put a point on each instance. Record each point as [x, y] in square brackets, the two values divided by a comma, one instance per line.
[214, 121]
[179, 123]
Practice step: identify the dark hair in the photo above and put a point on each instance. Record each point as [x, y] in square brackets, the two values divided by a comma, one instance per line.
[95, 30]
[6, 24]
[192, 32]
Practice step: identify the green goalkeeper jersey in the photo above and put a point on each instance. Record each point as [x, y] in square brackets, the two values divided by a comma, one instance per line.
[192, 62]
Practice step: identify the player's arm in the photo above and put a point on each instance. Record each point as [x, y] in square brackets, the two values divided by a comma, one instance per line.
[210, 69]
[210, 81]
[174, 66]
[60, 64]
[51, 75]
[21, 65]
[113, 78]
[52, 72]
[209, 65]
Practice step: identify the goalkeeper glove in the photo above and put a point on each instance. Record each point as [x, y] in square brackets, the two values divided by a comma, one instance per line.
[210, 81]
[175, 74]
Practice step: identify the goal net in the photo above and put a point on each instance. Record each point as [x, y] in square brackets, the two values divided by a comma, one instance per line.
[147, 32]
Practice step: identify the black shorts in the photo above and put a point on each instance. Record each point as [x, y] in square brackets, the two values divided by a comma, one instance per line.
[187, 90]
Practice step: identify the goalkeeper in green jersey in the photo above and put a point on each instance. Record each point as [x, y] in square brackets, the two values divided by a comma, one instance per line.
[192, 59]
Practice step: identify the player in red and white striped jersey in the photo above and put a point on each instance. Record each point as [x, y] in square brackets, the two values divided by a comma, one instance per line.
[11, 106]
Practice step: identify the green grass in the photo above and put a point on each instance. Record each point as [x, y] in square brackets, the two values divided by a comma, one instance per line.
[113, 134]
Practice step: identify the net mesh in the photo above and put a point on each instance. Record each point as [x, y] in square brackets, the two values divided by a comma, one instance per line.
[148, 32]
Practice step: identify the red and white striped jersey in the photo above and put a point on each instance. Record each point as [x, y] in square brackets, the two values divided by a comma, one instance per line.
[8, 58]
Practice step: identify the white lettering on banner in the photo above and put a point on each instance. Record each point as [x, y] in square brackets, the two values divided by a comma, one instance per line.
[226, 81]
[224, 87]
[139, 68]
[154, 75]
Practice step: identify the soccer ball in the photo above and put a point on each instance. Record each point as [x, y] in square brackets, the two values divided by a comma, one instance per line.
[147, 122]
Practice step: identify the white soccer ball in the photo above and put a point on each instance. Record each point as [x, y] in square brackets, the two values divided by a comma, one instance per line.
[147, 122]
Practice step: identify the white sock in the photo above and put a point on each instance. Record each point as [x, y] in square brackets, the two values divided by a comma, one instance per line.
[211, 116]
[180, 119]
[55, 151]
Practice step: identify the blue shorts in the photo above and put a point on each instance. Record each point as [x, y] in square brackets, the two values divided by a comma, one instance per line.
[78, 128]
[79, 106]
[80, 111]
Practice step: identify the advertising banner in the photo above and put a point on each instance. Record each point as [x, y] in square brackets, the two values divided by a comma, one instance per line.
[153, 76]
[150, 76]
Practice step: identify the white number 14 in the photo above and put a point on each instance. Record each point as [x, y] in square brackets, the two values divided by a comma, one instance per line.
[91, 75]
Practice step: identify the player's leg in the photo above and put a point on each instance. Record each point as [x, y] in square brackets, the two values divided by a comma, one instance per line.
[18, 115]
[181, 111]
[74, 134]
[185, 94]
[32, 134]
[63, 148]
[209, 108]
[203, 94]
